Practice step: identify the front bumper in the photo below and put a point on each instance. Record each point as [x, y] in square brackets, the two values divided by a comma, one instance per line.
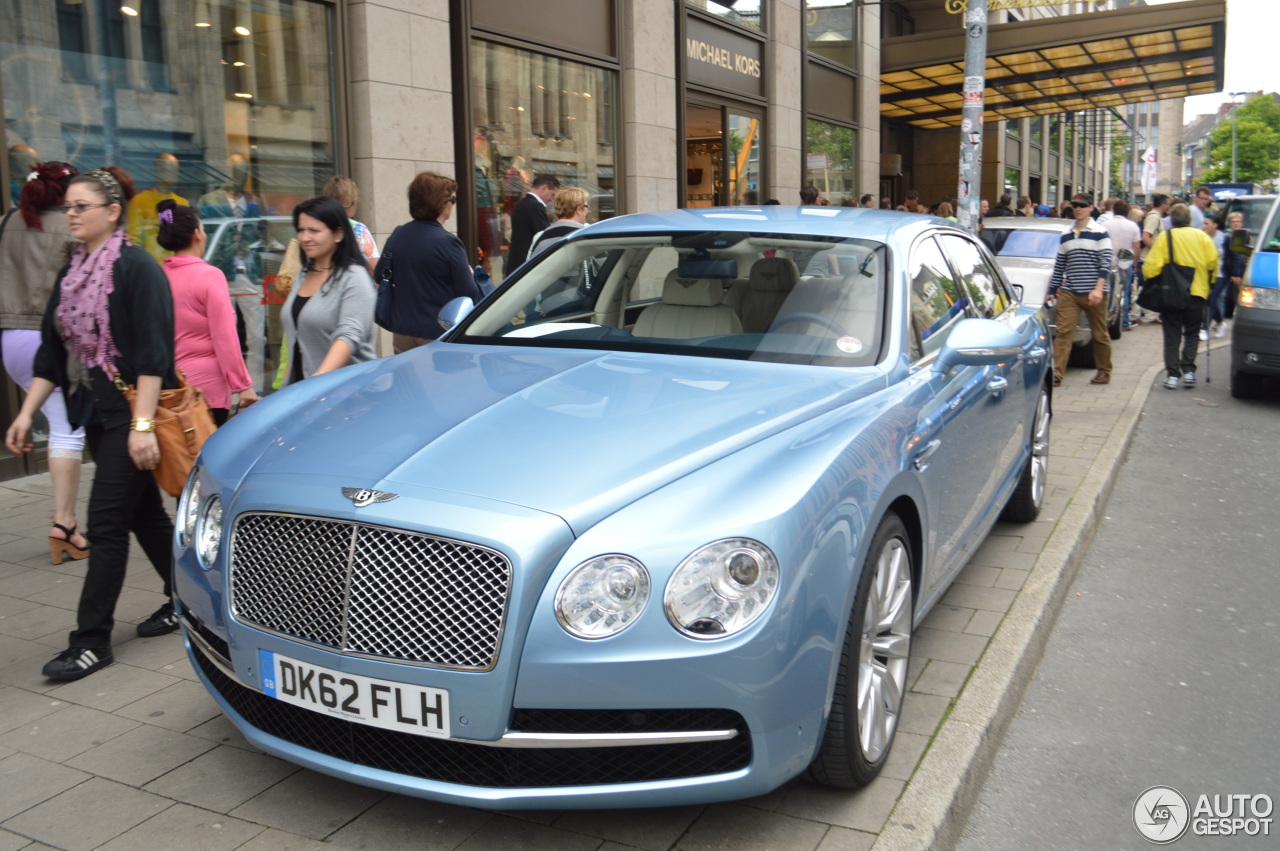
[1255, 341]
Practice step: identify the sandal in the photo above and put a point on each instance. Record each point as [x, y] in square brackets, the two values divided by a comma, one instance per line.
[59, 547]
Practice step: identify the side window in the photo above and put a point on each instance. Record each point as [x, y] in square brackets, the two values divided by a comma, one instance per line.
[987, 294]
[937, 301]
[652, 275]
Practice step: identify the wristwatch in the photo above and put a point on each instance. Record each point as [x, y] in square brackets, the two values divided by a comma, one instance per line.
[142, 424]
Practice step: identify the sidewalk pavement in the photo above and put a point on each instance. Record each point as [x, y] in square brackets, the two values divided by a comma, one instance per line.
[138, 754]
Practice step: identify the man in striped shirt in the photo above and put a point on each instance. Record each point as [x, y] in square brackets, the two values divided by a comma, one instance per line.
[1079, 281]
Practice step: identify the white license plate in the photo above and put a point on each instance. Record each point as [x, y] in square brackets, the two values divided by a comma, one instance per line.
[404, 708]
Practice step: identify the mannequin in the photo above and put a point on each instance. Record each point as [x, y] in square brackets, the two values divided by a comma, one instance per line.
[233, 197]
[142, 222]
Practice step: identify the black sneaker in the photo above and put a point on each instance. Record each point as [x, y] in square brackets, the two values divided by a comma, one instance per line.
[162, 622]
[77, 662]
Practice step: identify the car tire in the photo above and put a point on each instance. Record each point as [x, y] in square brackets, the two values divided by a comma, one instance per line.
[1024, 505]
[1116, 327]
[871, 681]
[1245, 385]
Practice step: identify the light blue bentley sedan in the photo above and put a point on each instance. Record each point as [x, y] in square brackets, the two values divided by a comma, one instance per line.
[650, 525]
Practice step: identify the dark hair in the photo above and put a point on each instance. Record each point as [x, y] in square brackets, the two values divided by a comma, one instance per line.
[44, 191]
[1157, 200]
[1120, 208]
[1215, 218]
[549, 180]
[862, 202]
[886, 203]
[330, 213]
[178, 225]
[913, 195]
[1024, 201]
[808, 195]
[120, 194]
[428, 193]
[1005, 200]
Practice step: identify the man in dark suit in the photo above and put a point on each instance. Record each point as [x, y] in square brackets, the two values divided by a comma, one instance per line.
[529, 217]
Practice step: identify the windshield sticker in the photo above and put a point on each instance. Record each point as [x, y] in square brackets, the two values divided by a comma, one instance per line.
[849, 345]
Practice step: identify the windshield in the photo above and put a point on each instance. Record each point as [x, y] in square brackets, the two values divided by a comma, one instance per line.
[784, 299]
[1271, 240]
[1022, 242]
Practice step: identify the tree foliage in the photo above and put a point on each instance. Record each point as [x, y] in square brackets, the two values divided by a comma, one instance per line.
[1257, 144]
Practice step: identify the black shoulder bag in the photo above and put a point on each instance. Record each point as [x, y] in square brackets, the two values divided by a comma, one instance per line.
[384, 307]
[1170, 291]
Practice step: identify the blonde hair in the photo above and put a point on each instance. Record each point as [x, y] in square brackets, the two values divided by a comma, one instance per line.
[568, 200]
[343, 189]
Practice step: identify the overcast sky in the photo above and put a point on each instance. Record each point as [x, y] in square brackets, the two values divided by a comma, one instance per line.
[1251, 53]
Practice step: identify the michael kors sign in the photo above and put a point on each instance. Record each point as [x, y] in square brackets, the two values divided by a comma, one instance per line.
[723, 59]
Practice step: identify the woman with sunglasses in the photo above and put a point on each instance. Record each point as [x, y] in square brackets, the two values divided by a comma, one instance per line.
[328, 315]
[425, 263]
[109, 322]
[34, 244]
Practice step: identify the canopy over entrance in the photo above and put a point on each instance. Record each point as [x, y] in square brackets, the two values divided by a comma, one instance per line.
[1060, 64]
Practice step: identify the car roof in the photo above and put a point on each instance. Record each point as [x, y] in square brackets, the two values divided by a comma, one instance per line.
[1010, 223]
[862, 223]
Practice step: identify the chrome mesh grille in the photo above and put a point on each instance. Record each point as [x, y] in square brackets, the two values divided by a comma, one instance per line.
[370, 590]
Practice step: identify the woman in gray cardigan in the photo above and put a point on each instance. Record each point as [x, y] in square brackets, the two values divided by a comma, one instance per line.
[328, 316]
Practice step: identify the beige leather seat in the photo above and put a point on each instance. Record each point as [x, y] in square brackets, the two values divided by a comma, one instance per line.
[769, 282]
[690, 307]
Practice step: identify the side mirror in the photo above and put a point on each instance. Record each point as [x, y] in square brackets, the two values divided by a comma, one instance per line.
[978, 342]
[1124, 254]
[1020, 292]
[454, 312]
[1242, 242]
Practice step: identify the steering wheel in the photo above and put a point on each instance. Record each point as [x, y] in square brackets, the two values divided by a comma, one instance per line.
[813, 318]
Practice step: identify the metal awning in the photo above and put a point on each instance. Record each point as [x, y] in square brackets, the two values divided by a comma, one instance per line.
[1060, 64]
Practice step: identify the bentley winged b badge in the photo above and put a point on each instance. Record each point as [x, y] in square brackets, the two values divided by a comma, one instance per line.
[363, 496]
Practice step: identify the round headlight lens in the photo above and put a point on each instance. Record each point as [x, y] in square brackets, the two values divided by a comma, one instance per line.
[189, 509]
[722, 588]
[602, 596]
[209, 531]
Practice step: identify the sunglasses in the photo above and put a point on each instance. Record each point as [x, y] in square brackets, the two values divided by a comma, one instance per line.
[1080, 205]
[79, 209]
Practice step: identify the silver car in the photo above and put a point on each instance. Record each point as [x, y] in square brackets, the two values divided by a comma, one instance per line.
[1025, 248]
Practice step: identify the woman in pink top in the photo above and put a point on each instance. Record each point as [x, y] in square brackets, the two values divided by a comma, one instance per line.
[204, 321]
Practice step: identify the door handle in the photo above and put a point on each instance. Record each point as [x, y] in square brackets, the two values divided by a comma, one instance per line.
[1037, 353]
[922, 460]
[998, 385]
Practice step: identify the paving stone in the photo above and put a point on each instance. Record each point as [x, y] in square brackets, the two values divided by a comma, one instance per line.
[10, 606]
[88, 815]
[547, 817]
[278, 840]
[309, 804]
[153, 653]
[652, 829]
[26, 781]
[943, 678]
[844, 839]
[141, 755]
[865, 809]
[63, 597]
[949, 646]
[947, 618]
[400, 822]
[221, 779]
[905, 755]
[732, 827]
[112, 688]
[18, 707]
[984, 623]
[220, 729]
[515, 835]
[63, 734]
[770, 801]
[921, 713]
[1021, 561]
[188, 828]
[973, 597]
[1012, 579]
[29, 582]
[16, 650]
[179, 706]
[12, 842]
[978, 573]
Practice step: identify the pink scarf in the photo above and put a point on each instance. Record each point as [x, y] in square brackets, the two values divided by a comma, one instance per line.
[86, 326]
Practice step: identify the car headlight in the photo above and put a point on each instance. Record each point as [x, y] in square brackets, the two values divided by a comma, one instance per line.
[209, 531]
[189, 508]
[1266, 298]
[602, 596]
[722, 588]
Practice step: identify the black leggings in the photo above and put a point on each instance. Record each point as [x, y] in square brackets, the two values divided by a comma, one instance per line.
[123, 499]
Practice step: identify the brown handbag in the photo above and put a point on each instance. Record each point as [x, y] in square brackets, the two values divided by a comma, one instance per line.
[183, 424]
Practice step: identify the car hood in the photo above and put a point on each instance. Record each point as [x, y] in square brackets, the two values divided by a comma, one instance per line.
[1032, 273]
[575, 433]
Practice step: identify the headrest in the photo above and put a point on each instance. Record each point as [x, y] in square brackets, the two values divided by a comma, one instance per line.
[692, 292]
[773, 274]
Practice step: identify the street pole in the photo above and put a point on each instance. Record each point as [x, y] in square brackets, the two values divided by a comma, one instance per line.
[975, 73]
[1234, 95]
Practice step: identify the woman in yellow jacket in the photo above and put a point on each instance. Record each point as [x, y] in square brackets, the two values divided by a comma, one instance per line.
[1194, 248]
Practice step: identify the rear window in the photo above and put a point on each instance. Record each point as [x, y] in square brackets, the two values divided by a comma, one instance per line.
[1022, 242]
[1255, 212]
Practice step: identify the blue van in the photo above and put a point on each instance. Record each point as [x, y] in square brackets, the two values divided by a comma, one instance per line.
[1255, 333]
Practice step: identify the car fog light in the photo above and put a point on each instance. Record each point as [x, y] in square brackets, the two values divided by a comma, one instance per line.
[209, 531]
[189, 508]
[602, 596]
[722, 588]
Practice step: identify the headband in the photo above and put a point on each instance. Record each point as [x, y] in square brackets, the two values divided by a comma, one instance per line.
[110, 185]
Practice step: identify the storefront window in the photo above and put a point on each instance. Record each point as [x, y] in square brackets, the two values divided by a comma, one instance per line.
[744, 160]
[831, 30]
[537, 114]
[830, 161]
[1011, 178]
[223, 104]
[745, 13]
[1037, 130]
